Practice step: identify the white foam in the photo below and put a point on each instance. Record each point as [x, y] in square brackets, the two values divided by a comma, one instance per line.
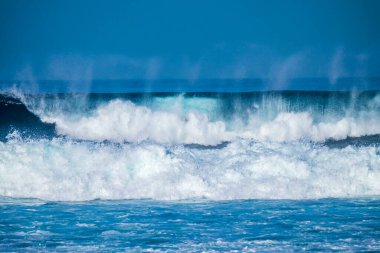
[124, 121]
[297, 126]
[177, 120]
[66, 170]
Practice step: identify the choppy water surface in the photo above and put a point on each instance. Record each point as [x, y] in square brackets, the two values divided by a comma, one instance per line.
[326, 225]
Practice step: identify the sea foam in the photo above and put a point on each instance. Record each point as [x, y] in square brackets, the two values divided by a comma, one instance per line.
[62, 169]
[120, 120]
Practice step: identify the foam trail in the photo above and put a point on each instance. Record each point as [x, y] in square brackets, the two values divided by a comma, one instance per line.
[76, 171]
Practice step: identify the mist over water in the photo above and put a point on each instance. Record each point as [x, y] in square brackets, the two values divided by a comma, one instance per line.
[258, 66]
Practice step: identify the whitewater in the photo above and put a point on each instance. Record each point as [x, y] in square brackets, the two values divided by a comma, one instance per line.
[181, 146]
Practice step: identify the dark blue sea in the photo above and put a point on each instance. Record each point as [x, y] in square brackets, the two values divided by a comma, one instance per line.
[212, 170]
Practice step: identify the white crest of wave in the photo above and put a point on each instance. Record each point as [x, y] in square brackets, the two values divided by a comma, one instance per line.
[296, 126]
[124, 121]
[72, 171]
[192, 120]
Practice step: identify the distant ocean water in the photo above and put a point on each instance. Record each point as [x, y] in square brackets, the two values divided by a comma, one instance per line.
[191, 171]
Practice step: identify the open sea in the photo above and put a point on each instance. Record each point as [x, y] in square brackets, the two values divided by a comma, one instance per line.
[193, 171]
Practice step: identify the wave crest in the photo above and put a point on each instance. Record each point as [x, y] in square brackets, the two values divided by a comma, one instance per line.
[124, 121]
[212, 120]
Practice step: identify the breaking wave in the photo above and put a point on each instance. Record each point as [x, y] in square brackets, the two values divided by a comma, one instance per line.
[294, 145]
[211, 120]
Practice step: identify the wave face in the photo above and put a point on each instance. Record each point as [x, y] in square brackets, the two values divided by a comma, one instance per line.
[197, 145]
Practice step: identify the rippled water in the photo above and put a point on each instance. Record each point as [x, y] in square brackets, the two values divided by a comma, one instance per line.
[326, 225]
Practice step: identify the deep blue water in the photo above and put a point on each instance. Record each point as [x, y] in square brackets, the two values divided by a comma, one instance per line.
[325, 225]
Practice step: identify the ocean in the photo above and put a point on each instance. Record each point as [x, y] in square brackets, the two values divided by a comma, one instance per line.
[195, 171]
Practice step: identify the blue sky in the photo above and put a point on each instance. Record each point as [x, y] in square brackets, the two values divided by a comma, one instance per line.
[130, 39]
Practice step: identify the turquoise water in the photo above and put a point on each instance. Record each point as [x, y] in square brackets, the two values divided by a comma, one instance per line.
[325, 225]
